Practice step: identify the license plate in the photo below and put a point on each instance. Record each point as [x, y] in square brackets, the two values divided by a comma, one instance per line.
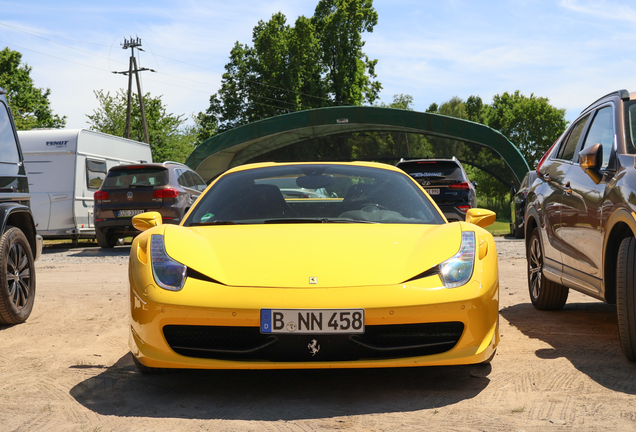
[129, 213]
[433, 191]
[310, 321]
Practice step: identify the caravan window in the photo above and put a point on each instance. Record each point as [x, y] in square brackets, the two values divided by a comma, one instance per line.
[95, 173]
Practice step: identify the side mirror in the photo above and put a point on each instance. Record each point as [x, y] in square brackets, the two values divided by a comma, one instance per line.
[590, 159]
[480, 217]
[474, 182]
[147, 220]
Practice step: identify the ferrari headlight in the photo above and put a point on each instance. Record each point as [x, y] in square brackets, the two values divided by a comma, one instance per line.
[169, 274]
[456, 271]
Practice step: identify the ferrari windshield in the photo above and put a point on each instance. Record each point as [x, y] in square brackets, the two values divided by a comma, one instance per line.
[314, 193]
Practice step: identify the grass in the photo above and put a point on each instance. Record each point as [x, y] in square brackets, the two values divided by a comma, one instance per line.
[499, 228]
[519, 409]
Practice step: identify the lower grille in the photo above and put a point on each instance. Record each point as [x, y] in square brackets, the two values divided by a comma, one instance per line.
[378, 342]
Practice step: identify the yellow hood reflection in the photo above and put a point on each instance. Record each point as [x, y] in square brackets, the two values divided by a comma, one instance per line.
[321, 255]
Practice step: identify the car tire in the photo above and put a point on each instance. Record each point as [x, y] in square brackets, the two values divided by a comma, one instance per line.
[626, 297]
[544, 294]
[104, 240]
[519, 233]
[147, 369]
[17, 277]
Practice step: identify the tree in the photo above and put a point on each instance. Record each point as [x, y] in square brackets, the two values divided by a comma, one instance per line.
[316, 62]
[455, 107]
[433, 108]
[169, 138]
[531, 123]
[475, 109]
[30, 105]
[339, 26]
[400, 101]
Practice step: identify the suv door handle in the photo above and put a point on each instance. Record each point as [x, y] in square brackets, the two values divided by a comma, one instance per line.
[567, 189]
[546, 176]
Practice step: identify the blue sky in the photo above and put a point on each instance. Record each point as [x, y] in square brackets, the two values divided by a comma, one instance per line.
[570, 51]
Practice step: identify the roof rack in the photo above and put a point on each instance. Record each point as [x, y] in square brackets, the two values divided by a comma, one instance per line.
[623, 94]
[175, 163]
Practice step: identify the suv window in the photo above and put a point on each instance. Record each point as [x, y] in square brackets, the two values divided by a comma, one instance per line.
[190, 179]
[602, 131]
[125, 178]
[9, 148]
[184, 179]
[95, 173]
[199, 184]
[432, 169]
[566, 152]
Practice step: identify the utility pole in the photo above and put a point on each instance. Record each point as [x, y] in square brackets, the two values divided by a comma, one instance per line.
[134, 70]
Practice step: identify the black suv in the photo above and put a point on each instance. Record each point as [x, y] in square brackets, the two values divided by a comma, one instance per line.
[169, 188]
[446, 182]
[518, 205]
[20, 246]
[581, 214]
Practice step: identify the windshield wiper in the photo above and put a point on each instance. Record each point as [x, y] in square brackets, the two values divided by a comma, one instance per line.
[314, 220]
[213, 223]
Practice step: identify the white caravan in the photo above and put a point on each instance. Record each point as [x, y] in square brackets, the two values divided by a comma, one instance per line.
[65, 167]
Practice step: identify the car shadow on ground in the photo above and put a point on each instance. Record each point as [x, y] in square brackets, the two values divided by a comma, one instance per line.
[99, 252]
[586, 334]
[276, 395]
[90, 251]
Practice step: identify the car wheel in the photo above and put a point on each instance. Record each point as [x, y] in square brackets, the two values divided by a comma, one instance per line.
[519, 233]
[544, 294]
[626, 297]
[104, 240]
[17, 277]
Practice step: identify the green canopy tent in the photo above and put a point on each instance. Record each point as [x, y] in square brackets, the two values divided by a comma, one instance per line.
[361, 133]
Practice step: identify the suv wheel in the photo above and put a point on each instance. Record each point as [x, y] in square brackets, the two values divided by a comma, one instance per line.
[545, 294]
[626, 298]
[105, 240]
[17, 277]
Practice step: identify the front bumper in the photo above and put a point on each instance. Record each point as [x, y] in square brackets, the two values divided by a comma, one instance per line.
[206, 307]
[39, 243]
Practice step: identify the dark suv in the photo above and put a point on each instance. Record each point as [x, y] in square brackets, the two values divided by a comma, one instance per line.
[446, 182]
[518, 205]
[581, 214]
[20, 246]
[169, 188]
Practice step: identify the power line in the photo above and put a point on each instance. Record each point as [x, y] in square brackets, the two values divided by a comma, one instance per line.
[35, 33]
[170, 75]
[52, 56]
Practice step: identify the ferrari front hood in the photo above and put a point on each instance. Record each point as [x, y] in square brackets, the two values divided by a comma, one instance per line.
[319, 255]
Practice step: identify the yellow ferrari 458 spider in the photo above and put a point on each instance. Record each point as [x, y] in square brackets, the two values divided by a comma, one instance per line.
[313, 265]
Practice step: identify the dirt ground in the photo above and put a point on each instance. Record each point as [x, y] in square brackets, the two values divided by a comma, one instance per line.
[68, 368]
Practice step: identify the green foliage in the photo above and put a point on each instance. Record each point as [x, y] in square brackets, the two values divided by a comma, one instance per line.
[400, 101]
[531, 123]
[433, 108]
[455, 107]
[339, 26]
[169, 138]
[475, 109]
[316, 62]
[30, 105]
